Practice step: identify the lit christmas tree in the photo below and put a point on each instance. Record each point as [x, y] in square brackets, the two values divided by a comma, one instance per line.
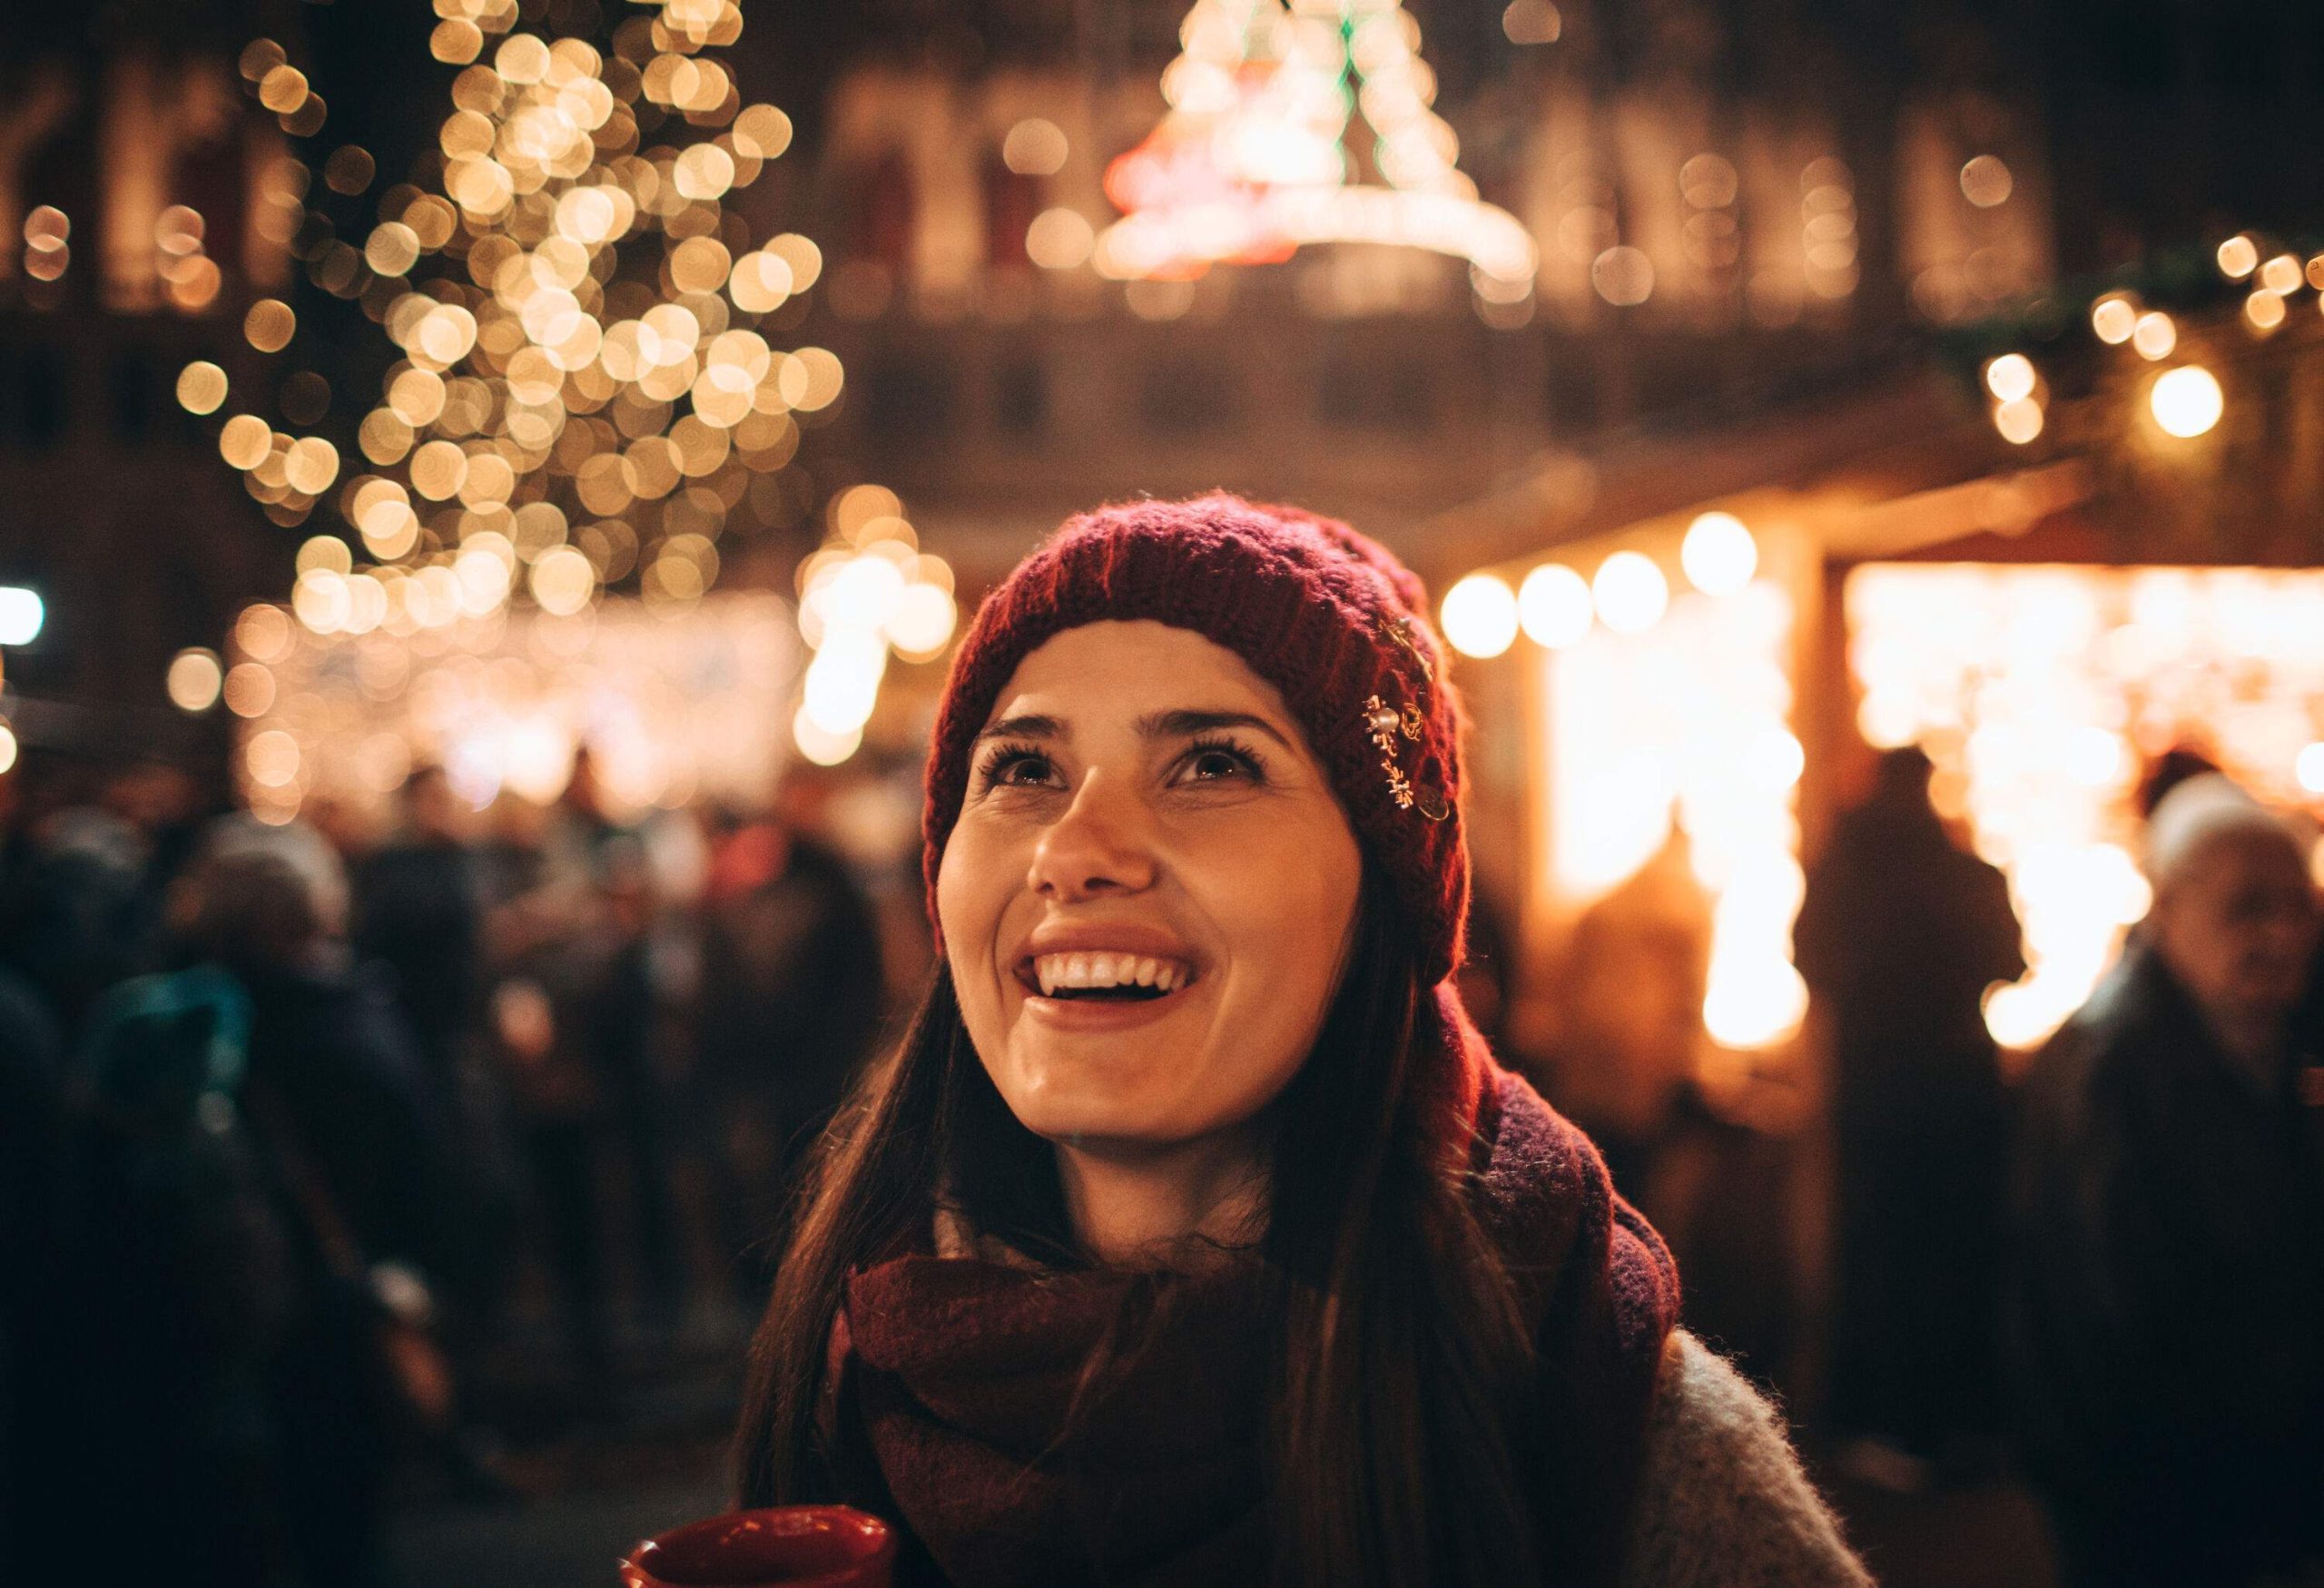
[1254, 158]
[591, 380]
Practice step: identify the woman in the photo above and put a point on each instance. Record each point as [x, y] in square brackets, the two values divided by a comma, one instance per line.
[1191, 1235]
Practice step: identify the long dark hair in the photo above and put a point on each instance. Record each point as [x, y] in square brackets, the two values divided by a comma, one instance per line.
[1400, 1351]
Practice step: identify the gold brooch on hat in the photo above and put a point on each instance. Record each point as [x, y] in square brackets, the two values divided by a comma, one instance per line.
[1385, 723]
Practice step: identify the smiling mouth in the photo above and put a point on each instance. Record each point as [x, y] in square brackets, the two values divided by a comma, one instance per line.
[1104, 978]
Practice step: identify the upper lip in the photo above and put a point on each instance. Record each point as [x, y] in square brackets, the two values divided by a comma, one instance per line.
[1100, 937]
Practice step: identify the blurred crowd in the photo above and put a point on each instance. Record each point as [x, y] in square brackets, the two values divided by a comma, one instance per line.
[305, 1123]
[2097, 1269]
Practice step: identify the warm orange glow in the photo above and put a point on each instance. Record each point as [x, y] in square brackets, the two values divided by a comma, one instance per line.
[2038, 691]
[1687, 723]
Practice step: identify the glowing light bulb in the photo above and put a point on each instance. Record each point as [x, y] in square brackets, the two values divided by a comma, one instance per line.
[2010, 377]
[1629, 592]
[21, 615]
[194, 680]
[1718, 555]
[2186, 401]
[1553, 606]
[2154, 335]
[820, 745]
[2308, 768]
[1480, 615]
[2020, 421]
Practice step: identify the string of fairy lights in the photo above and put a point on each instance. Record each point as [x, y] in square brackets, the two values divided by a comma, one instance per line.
[2184, 398]
[594, 372]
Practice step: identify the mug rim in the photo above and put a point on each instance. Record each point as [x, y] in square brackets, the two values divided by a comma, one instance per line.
[872, 1541]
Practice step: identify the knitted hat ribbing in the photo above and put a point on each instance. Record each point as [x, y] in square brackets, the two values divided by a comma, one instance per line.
[1327, 617]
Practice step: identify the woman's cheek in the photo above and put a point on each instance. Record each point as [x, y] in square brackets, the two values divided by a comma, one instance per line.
[1287, 897]
[973, 886]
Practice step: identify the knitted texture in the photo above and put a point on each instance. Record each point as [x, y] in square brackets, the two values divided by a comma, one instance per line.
[1722, 1502]
[1327, 617]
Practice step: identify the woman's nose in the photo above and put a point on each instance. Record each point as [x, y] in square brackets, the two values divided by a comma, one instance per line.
[1098, 846]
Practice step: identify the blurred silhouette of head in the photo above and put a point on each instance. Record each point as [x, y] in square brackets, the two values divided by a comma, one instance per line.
[264, 898]
[2167, 772]
[1902, 775]
[2235, 915]
[431, 807]
[583, 791]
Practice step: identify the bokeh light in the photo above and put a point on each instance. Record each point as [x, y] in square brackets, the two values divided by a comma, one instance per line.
[1553, 606]
[2308, 767]
[2186, 401]
[2010, 377]
[1478, 615]
[202, 386]
[2019, 422]
[1718, 555]
[21, 615]
[1034, 147]
[2113, 318]
[2154, 335]
[1630, 593]
[194, 680]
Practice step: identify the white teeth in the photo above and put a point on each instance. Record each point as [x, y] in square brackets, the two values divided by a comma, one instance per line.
[1052, 971]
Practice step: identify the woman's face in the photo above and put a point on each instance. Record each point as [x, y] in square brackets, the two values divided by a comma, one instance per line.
[1149, 893]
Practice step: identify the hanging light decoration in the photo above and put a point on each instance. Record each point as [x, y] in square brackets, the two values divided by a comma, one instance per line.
[1255, 159]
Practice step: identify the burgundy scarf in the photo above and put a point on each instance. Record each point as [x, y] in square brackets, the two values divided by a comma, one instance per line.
[956, 1375]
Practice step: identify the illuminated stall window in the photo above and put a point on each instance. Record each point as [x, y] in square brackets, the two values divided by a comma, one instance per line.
[1675, 710]
[2038, 691]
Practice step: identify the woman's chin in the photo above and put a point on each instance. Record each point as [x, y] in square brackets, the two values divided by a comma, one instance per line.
[1078, 1093]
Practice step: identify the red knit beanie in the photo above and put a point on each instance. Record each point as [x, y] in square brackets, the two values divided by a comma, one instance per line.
[1337, 623]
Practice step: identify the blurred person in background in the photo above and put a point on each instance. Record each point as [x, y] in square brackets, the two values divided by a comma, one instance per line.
[417, 919]
[1899, 936]
[574, 1018]
[791, 994]
[79, 915]
[2166, 772]
[1631, 1007]
[266, 1177]
[2169, 1288]
[32, 1095]
[418, 904]
[1632, 1067]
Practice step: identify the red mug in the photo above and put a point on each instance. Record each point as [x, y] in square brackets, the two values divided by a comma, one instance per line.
[802, 1546]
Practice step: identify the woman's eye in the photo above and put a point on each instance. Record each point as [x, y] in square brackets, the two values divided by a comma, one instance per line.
[1020, 771]
[1215, 764]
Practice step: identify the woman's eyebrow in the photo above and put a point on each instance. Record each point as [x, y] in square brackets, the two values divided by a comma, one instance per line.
[1027, 725]
[1179, 724]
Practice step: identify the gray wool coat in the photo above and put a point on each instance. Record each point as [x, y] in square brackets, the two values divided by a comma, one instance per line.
[1722, 1502]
